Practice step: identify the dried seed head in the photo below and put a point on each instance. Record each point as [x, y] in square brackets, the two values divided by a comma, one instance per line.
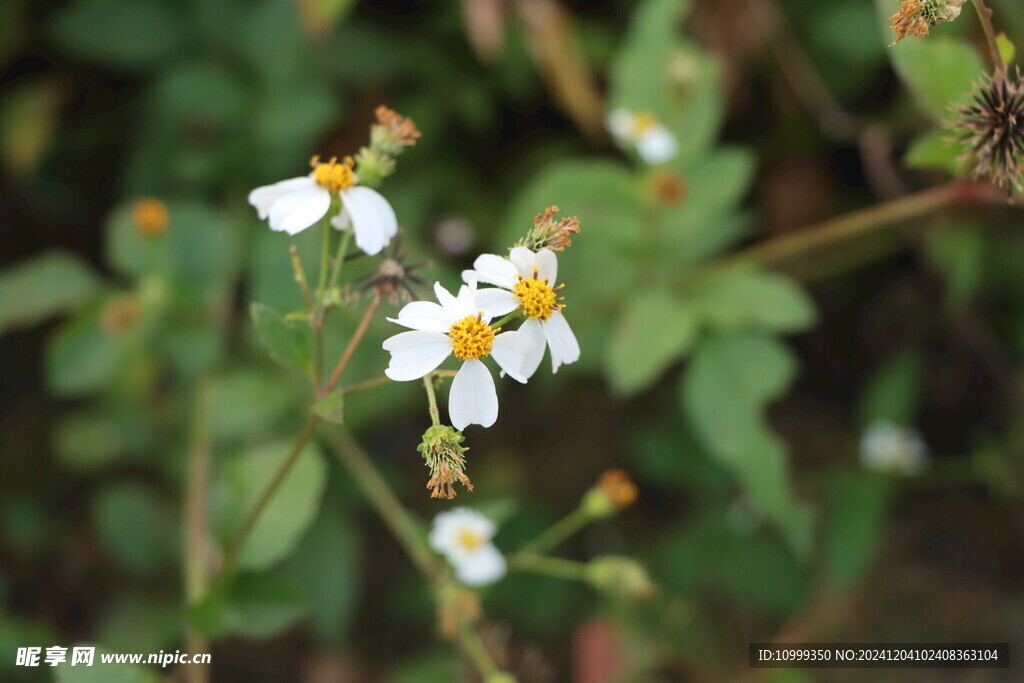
[392, 132]
[614, 491]
[443, 452]
[916, 17]
[991, 127]
[550, 232]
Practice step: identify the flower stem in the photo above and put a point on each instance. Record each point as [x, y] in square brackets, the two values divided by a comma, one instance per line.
[550, 566]
[556, 534]
[339, 260]
[782, 250]
[476, 650]
[985, 16]
[325, 252]
[195, 552]
[507, 319]
[353, 342]
[300, 277]
[435, 414]
[387, 505]
[366, 386]
[235, 549]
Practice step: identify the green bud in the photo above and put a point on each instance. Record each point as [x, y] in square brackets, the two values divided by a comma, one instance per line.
[620, 576]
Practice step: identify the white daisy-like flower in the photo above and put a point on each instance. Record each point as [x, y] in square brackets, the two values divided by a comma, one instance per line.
[459, 325]
[641, 130]
[297, 203]
[464, 536]
[887, 447]
[526, 279]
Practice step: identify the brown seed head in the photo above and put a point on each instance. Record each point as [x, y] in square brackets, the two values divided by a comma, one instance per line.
[991, 127]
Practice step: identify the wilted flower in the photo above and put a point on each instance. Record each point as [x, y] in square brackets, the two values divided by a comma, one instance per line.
[527, 282]
[916, 17]
[641, 130]
[464, 536]
[392, 131]
[458, 325]
[549, 232]
[150, 216]
[991, 125]
[886, 447]
[443, 451]
[614, 491]
[298, 203]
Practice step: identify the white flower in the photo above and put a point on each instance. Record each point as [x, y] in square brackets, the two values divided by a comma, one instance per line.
[295, 204]
[886, 447]
[464, 536]
[458, 325]
[527, 282]
[653, 141]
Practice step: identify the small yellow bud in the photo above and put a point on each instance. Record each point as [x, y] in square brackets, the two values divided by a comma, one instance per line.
[150, 216]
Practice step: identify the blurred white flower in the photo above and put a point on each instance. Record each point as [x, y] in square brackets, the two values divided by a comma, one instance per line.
[297, 203]
[458, 325]
[887, 447]
[464, 536]
[641, 130]
[527, 280]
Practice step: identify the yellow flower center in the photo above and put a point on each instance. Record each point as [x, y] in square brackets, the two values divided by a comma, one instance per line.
[537, 297]
[643, 122]
[472, 337]
[469, 540]
[334, 176]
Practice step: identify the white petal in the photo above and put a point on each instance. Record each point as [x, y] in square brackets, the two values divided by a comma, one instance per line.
[414, 354]
[264, 197]
[424, 315]
[485, 566]
[473, 399]
[373, 220]
[300, 209]
[495, 302]
[342, 221]
[445, 298]
[561, 341]
[657, 145]
[544, 262]
[620, 123]
[534, 329]
[494, 270]
[511, 350]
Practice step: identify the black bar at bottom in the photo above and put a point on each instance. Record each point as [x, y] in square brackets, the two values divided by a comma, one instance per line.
[879, 655]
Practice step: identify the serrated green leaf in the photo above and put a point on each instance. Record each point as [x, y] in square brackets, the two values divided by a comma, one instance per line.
[332, 406]
[242, 480]
[729, 383]
[46, 285]
[654, 331]
[287, 343]
[748, 299]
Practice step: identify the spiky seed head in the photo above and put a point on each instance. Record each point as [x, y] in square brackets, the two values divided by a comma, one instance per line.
[991, 127]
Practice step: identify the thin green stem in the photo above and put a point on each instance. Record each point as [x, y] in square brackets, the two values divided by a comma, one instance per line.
[507, 319]
[549, 566]
[556, 534]
[325, 255]
[366, 386]
[353, 343]
[985, 16]
[387, 505]
[428, 384]
[476, 650]
[235, 549]
[300, 277]
[339, 260]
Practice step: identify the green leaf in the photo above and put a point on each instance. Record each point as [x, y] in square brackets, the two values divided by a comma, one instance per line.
[1007, 50]
[242, 481]
[325, 566]
[246, 404]
[118, 33]
[893, 392]
[938, 70]
[729, 383]
[332, 406]
[45, 285]
[257, 605]
[29, 115]
[936, 150]
[654, 331]
[961, 255]
[746, 299]
[135, 527]
[288, 344]
[857, 505]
